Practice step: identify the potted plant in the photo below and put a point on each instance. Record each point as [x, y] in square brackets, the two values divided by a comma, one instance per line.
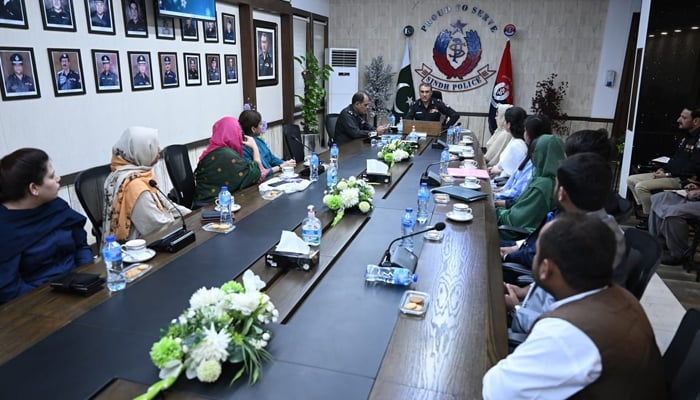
[378, 87]
[314, 92]
[547, 101]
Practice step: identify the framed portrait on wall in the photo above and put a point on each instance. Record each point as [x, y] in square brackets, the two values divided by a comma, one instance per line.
[228, 28]
[165, 28]
[140, 70]
[231, 68]
[66, 72]
[188, 29]
[57, 15]
[266, 50]
[106, 66]
[135, 18]
[13, 14]
[213, 69]
[211, 32]
[194, 77]
[18, 73]
[169, 77]
[99, 16]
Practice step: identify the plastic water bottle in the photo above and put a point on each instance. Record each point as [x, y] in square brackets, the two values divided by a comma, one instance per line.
[390, 275]
[225, 202]
[408, 221]
[313, 167]
[335, 153]
[450, 135]
[311, 228]
[333, 166]
[399, 127]
[392, 120]
[423, 197]
[112, 256]
[413, 136]
[444, 161]
[457, 134]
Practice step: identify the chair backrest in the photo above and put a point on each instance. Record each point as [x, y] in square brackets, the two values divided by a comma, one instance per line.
[437, 94]
[177, 162]
[89, 186]
[331, 120]
[682, 358]
[644, 254]
[292, 138]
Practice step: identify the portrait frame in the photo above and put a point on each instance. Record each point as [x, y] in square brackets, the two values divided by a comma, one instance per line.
[161, 31]
[207, 37]
[225, 18]
[189, 37]
[99, 68]
[174, 69]
[94, 24]
[208, 58]
[75, 66]
[134, 69]
[266, 77]
[50, 24]
[189, 79]
[135, 29]
[228, 57]
[17, 23]
[7, 70]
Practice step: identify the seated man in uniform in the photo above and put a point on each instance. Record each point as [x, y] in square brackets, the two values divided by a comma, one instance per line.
[596, 342]
[668, 221]
[429, 109]
[352, 122]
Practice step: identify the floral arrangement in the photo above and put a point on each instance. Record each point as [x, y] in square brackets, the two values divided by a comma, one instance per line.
[223, 324]
[348, 193]
[395, 151]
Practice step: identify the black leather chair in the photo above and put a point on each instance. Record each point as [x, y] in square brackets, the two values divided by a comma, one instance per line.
[177, 162]
[682, 358]
[643, 258]
[292, 139]
[331, 120]
[437, 94]
[89, 186]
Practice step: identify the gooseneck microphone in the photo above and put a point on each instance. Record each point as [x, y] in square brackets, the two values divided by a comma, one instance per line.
[176, 240]
[307, 171]
[430, 178]
[402, 257]
[296, 139]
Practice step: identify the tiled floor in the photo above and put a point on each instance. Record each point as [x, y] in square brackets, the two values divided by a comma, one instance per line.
[663, 309]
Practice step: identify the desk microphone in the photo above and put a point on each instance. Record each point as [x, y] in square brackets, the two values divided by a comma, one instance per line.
[296, 139]
[402, 257]
[429, 177]
[306, 172]
[176, 240]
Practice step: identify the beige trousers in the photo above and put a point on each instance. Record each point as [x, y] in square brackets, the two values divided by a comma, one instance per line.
[642, 186]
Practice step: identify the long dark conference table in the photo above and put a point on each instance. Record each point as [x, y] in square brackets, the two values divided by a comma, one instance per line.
[337, 337]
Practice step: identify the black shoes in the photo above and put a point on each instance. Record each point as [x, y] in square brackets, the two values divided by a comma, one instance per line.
[672, 260]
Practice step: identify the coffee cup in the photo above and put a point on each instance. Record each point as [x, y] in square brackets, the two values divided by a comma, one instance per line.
[461, 210]
[471, 179]
[469, 164]
[134, 246]
[287, 171]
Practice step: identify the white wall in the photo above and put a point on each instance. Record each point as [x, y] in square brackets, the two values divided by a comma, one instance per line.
[320, 7]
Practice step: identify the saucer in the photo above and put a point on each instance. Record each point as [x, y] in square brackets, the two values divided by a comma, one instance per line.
[141, 256]
[433, 235]
[465, 154]
[470, 185]
[290, 176]
[468, 217]
[234, 208]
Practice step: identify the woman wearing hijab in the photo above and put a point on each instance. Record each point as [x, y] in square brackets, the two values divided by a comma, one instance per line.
[252, 125]
[222, 162]
[536, 200]
[133, 208]
[43, 236]
[500, 138]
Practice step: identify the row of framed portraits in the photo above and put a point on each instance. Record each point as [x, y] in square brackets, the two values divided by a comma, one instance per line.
[19, 73]
[59, 15]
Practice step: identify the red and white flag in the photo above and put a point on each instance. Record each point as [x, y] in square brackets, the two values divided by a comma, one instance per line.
[503, 87]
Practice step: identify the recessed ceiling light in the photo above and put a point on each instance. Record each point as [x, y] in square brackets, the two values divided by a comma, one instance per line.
[652, 35]
[664, 33]
[694, 27]
[677, 30]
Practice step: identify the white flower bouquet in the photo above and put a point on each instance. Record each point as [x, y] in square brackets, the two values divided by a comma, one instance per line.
[348, 193]
[395, 151]
[221, 325]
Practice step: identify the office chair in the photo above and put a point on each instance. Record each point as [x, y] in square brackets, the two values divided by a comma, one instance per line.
[643, 258]
[437, 94]
[292, 139]
[331, 120]
[682, 358]
[89, 186]
[177, 162]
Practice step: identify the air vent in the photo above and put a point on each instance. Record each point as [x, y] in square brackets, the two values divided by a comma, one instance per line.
[344, 58]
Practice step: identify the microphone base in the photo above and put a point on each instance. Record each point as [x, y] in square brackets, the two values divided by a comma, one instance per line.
[378, 178]
[176, 241]
[401, 257]
[438, 144]
[431, 179]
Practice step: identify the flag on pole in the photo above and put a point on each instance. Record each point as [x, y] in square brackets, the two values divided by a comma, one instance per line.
[503, 87]
[405, 93]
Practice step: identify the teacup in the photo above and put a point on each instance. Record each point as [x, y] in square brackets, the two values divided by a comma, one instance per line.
[134, 246]
[287, 171]
[471, 179]
[469, 164]
[461, 210]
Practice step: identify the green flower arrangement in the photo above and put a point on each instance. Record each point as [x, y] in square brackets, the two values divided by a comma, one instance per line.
[395, 151]
[348, 193]
[223, 324]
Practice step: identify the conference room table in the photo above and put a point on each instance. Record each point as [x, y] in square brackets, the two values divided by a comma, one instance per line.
[338, 337]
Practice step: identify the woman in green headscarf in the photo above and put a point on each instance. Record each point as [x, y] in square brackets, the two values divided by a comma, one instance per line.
[536, 200]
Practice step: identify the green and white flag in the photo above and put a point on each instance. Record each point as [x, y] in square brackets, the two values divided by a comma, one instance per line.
[405, 93]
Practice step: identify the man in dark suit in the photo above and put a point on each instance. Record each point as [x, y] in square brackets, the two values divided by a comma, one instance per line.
[100, 17]
[136, 23]
[352, 122]
[265, 61]
[11, 10]
[189, 29]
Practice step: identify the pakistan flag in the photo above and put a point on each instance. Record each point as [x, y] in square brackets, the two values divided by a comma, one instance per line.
[405, 93]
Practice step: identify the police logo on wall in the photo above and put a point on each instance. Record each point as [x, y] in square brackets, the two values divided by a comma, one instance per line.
[457, 50]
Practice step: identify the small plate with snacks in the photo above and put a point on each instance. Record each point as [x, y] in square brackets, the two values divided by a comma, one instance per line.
[218, 228]
[135, 271]
[414, 302]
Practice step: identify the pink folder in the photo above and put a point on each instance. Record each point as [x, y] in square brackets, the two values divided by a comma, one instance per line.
[462, 172]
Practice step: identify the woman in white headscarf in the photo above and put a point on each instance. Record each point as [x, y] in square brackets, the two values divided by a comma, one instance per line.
[133, 208]
[500, 138]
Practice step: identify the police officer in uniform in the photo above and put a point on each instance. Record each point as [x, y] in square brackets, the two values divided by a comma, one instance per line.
[169, 77]
[192, 71]
[214, 72]
[265, 57]
[107, 77]
[429, 109]
[141, 78]
[57, 15]
[100, 17]
[67, 79]
[352, 122]
[231, 70]
[18, 82]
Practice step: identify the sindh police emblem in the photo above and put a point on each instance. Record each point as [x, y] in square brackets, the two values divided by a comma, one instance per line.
[456, 53]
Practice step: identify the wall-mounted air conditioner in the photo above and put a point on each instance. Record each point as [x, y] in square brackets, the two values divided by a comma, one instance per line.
[344, 79]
